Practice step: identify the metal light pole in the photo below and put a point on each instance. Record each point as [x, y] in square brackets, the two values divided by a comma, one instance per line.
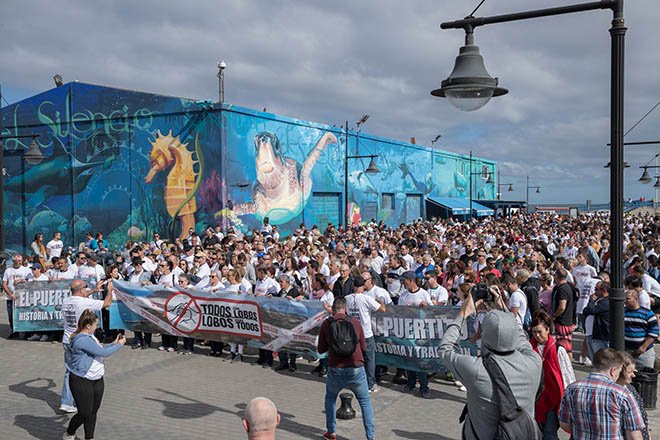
[371, 169]
[221, 80]
[470, 87]
[537, 188]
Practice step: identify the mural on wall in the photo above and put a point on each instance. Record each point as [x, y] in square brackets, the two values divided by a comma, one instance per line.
[283, 186]
[130, 164]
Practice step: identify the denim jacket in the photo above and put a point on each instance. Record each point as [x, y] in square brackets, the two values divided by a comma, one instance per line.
[84, 349]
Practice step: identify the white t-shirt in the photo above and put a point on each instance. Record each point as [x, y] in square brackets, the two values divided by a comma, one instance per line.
[72, 308]
[518, 299]
[328, 298]
[55, 248]
[97, 369]
[379, 294]
[583, 273]
[439, 294]
[360, 306]
[644, 299]
[267, 286]
[12, 275]
[409, 298]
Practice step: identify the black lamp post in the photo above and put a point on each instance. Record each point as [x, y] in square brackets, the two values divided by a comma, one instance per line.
[469, 87]
[489, 180]
[371, 169]
[499, 185]
[538, 191]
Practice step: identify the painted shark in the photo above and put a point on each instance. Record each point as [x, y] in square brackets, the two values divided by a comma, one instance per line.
[52, 177]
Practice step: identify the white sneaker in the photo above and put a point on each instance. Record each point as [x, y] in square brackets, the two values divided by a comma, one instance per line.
[44, 338]
[374, 389]
[68, 437]
[34, 337]
[69, 409]
[161, 348]
[170, 350]
[460, 386]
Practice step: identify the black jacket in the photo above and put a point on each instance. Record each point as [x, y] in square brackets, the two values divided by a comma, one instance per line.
[341, 289]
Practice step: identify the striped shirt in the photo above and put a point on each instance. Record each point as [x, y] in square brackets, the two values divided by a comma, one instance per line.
[599, 409]
[639, 324]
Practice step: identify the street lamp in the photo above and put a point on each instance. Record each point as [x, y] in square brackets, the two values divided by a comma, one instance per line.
[538, 191]
[499, 185]
[32, 155]
[371, 169]
[221, 80]
[469, 86]
[469, 83]
[646, 178]
[489, 179]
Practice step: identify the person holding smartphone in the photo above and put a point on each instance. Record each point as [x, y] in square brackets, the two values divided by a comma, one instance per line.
[86, 364]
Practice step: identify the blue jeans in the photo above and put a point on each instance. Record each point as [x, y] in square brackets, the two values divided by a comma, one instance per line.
[412, 380]
[10, 315]
[594, 345]
[370, 362]
[67, 397]
[355, 380]
[550, 426]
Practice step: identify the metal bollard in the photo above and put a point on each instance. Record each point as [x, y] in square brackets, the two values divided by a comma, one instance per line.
[346, 411]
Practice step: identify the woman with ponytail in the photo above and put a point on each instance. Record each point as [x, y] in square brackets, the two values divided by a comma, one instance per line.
[86, 364]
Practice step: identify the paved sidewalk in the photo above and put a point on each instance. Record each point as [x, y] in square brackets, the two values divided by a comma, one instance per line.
[157, 395]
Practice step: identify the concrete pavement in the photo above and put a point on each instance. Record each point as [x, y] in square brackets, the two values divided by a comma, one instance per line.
[157, 395]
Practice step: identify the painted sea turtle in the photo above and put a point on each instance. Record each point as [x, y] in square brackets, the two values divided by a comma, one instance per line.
[283, 186]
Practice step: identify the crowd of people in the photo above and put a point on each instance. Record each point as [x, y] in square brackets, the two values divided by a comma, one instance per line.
[550, 272]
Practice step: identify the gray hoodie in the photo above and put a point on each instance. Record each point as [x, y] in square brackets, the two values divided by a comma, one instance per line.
[521, 366]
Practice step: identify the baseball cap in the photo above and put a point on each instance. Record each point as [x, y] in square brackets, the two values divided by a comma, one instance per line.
[37, 266]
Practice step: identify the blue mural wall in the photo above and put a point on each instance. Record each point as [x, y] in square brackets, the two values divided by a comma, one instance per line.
[129, 164]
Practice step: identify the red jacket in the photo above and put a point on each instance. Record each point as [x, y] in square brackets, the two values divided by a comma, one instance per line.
[553, 384]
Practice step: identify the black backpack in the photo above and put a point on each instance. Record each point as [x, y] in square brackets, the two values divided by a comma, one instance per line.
[343, 339]
[515, 422]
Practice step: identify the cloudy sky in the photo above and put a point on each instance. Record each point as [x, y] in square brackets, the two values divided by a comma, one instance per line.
[331, 61]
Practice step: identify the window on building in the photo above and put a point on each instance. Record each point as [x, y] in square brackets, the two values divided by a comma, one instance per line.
[388, 201]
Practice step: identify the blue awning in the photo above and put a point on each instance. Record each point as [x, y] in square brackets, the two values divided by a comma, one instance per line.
[481, 210]
[456, 206]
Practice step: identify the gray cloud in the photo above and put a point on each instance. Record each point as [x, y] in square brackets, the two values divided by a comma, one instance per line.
[333, 61]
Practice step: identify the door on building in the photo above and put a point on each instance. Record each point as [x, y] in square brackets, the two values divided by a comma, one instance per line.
[413, 207]
[325, 207]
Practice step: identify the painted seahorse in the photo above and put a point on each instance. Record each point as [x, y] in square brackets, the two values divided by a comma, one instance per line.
[183, 179]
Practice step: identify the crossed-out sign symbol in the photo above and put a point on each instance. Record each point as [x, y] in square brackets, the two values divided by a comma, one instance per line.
[182, 310]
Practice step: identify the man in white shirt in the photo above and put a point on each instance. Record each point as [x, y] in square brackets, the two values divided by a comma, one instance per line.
[581, 274]
[91, 270]
[517, 300]
[413, 295]
[360, 306]
[265, 285]
[81, 260]
[55, 246]
[371, 289]
[61, 271]
[72, 307]
[13, 275]
[202, 270]
[438, 294]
